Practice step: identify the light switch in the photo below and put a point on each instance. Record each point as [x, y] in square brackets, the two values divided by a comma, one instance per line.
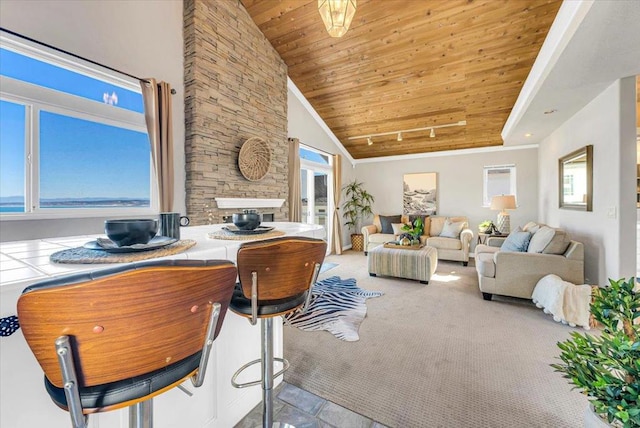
[612, 212]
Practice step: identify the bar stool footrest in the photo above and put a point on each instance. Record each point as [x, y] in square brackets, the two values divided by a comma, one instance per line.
[285, 367]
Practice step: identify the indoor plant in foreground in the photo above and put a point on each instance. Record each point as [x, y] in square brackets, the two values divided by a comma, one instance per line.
[607, 367]
[357, 205]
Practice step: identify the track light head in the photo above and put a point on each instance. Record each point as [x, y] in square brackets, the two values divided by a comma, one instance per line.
[432, 134]
[369, 141]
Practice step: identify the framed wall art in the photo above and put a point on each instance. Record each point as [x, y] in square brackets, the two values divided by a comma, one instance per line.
[420, 194]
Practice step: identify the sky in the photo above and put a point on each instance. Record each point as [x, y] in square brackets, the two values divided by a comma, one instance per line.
[78, 158]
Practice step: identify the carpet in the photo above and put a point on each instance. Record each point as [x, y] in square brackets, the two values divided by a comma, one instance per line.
[438, 356]
[337, 306]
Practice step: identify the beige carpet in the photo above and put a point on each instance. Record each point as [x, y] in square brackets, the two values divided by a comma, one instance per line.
[438, 355]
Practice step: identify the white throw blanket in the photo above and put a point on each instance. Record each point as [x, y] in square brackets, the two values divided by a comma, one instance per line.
[567, 302]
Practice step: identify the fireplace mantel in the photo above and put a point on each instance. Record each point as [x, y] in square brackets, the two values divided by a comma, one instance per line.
[248, 203]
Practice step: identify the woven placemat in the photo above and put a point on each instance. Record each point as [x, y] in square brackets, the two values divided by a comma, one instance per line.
[85, 255]
[225, 234]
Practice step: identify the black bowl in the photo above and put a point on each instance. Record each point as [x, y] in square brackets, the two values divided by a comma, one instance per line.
[247, 221]
[130, 232]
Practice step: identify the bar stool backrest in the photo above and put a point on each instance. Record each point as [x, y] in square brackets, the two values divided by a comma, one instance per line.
[285, 266]
[127, 321]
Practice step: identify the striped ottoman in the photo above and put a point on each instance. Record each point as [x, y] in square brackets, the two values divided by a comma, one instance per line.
[403, 263]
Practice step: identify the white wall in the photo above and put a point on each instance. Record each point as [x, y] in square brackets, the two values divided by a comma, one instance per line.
[303, 126]
[460, 184]
[609, 231]
[142, 38]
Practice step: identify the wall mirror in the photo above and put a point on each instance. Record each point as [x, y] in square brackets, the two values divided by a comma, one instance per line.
[576, 180]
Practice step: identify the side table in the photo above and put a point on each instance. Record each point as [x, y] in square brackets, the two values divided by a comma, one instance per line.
[482, 237]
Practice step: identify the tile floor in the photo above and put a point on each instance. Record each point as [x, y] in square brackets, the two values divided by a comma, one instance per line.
[303, 409]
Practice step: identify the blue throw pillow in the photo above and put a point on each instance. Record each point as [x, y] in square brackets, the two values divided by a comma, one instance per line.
[517, 241]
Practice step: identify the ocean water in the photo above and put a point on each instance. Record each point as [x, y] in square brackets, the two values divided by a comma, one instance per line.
[12, 209]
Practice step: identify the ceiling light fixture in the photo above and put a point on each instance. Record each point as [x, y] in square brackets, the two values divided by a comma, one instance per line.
[432, 130]
[337, 15]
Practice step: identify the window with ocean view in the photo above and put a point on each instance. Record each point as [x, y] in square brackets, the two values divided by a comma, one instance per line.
[73, 139]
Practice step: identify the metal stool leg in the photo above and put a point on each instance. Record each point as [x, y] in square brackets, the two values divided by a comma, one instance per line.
[267, 372]
[141, 414]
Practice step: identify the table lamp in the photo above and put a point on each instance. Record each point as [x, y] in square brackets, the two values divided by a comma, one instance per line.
[503, 203]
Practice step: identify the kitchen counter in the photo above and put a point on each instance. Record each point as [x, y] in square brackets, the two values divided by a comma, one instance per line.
[214, 405]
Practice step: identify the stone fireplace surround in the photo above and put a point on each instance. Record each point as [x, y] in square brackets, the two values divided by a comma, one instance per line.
[235, 89]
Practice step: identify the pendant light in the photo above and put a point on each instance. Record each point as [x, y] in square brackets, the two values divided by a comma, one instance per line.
[337, 15]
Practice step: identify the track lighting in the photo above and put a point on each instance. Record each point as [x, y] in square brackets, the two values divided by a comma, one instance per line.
[399, 136]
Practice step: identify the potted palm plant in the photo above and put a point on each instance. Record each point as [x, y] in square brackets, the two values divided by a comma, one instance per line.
[356, 206]
[607, 367]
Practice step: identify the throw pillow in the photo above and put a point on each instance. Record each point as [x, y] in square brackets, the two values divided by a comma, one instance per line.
[517, 241]
[451, 229]
[541, 239]
[387, 220]
[558, 244]
[532, 227]
[397, 228]
[437, 223]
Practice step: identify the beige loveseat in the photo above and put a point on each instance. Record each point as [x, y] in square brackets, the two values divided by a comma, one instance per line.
[449, 248]
[513, 273]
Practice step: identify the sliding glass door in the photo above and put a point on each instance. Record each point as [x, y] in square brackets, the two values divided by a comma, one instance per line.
[314, 197]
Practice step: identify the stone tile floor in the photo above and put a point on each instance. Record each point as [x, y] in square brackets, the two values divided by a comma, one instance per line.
[303, 409]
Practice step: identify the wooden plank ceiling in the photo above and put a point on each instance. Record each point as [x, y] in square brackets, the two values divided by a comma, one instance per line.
[408, 64]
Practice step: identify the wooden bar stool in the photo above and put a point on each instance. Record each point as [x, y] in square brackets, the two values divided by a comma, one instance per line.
[276, 277]
[118, 337]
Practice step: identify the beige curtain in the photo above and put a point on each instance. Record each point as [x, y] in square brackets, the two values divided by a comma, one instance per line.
[336, 233]
[295, 197]
[157, 113]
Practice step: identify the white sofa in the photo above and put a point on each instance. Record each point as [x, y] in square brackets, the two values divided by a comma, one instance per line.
[513, 273]
[449, 248]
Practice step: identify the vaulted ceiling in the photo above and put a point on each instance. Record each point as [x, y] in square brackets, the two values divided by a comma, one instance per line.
[407, 64]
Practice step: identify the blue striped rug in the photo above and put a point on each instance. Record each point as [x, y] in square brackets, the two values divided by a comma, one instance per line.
[337, 305]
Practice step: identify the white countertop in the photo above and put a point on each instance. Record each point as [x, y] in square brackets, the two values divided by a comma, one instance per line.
[25, 262]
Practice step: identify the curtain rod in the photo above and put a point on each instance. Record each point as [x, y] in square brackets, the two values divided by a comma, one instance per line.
[173, 91]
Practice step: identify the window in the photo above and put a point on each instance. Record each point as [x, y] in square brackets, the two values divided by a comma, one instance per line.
[73, 139]
[498, 180]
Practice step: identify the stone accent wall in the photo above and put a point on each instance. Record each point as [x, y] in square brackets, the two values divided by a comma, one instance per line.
[235, 88]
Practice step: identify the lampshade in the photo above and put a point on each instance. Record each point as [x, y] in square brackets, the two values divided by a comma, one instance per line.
[503, 202]
[337, 15]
